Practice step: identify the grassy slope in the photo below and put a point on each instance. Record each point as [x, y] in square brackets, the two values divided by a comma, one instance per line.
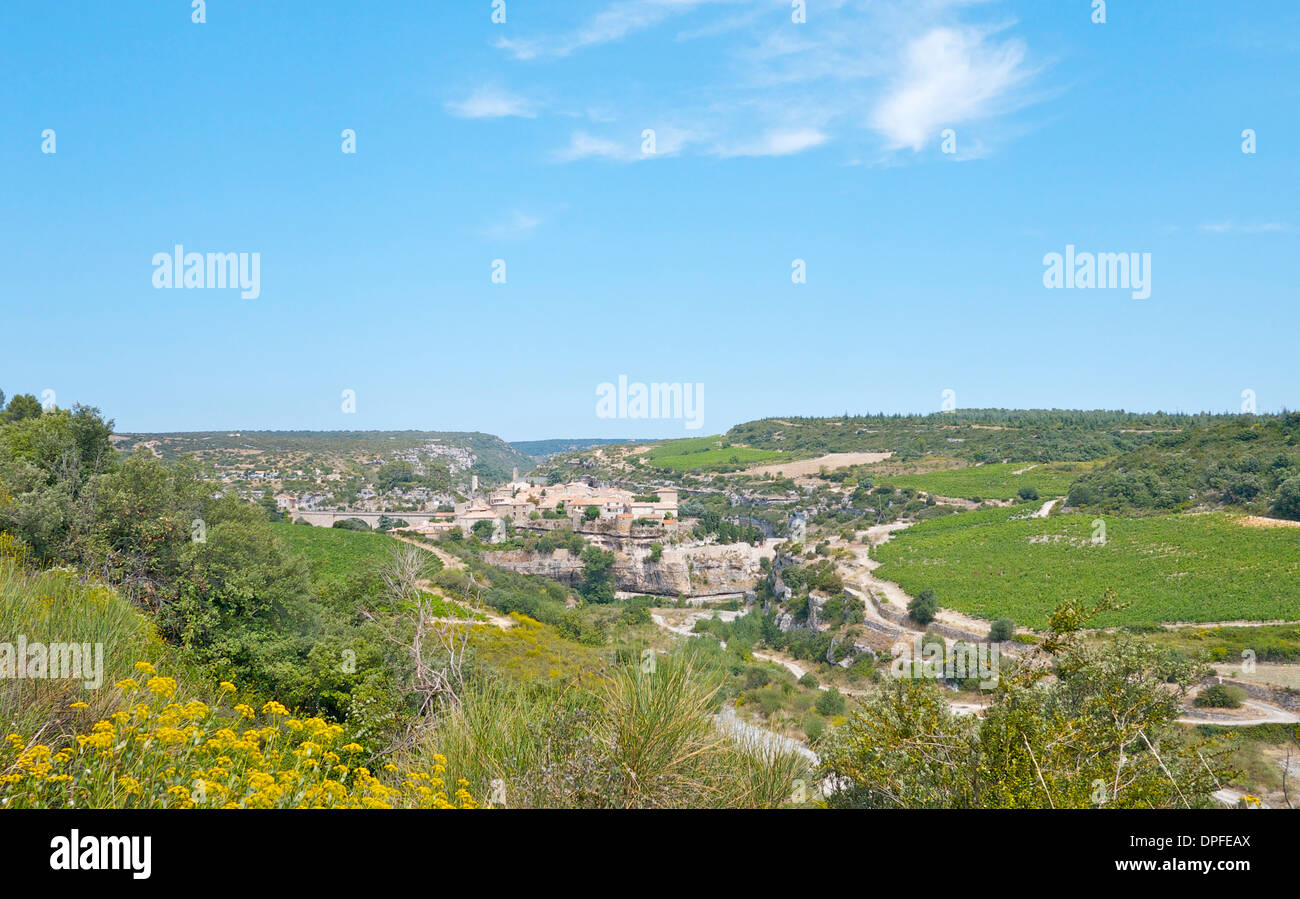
[1168, 568]
[702, 453]
[335, 552]
[55, 606]
[994, 481]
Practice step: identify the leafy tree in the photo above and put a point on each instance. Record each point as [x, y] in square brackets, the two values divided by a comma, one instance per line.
[1081, 495]
[1028, 494]
[597, 575]
[24, 405]
[1287, 504]
[271, 508]
[830, 703]
[394, 474]
[1002, 629]
[591, 514]
[50, 467]
[244, 605]
[923, 607]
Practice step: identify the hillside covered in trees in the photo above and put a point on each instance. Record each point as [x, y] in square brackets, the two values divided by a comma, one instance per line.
[977, 435]
[1251, 462]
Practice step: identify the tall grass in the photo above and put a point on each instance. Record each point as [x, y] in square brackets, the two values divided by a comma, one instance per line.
[646, 737]
[57, 606]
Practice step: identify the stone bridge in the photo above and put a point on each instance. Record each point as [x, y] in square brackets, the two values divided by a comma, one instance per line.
[327, 519]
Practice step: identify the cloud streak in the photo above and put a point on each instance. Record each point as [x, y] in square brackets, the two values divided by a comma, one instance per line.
[613, 23]
[490, 103]
[1231, 228]
[517, 224]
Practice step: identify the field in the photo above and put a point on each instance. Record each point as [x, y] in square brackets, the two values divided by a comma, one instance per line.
[804, 467]
[335, 553]
[995, 562]
[994, 481]
[707, 453]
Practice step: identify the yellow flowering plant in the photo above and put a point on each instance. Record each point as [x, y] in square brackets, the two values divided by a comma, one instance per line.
[158, 751]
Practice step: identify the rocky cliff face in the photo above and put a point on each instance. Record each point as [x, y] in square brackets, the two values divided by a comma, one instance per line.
[560, 566]
[681, 570]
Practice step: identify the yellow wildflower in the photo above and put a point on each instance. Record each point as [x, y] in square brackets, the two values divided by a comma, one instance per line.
[162, 686]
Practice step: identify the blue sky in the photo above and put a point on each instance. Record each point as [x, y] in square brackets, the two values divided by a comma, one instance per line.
[522, 141]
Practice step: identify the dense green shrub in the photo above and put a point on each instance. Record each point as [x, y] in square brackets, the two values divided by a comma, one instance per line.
[830, 703]
[1002, 629]
[1221, 696]
[923, 607]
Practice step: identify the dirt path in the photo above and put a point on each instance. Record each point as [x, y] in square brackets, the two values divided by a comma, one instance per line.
[760, 739]
[1269, 714]
[788, 664]
[1178, 625]
[446, 558]
[451, 562]
[489, 616]
[685, 627]
[861, 574]
[1046, 509]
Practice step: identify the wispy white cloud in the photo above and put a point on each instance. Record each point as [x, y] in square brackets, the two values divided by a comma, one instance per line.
[1232, 228]
[516, 224]
[666, 141]
[777, 143]
[586, 146]
[948, 77]
[613, 23]
[491, 103]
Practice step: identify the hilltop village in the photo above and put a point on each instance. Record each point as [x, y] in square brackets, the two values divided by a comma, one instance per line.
[520, 502]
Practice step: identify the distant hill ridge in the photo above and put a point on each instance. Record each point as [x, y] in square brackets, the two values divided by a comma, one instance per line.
[544, 449]
[495, 459]
[979, 435]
